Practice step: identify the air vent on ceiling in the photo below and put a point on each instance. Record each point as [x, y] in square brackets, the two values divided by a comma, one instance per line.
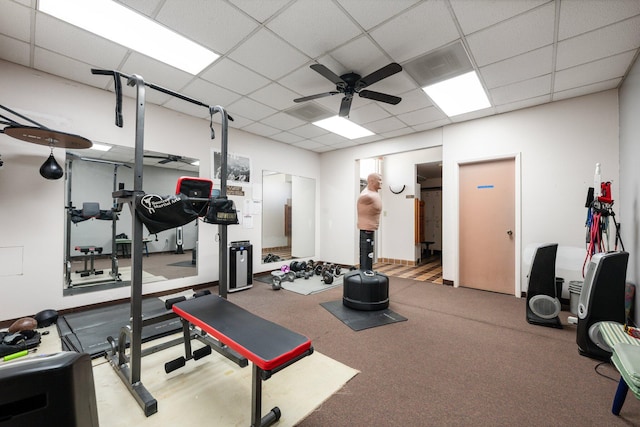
[309, 112]
[442, 64]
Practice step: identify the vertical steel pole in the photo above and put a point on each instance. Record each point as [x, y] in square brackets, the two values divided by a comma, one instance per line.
[222, 228]
[136, 238]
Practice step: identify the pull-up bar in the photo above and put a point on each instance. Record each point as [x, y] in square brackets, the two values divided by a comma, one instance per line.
[131, 375]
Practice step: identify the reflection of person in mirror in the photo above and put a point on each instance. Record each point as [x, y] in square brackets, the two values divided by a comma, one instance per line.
[369, 208]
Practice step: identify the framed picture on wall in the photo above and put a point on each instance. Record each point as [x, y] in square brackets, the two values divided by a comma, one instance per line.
[238, 168]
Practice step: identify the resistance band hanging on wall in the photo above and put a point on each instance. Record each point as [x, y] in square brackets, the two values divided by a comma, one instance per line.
[599, 214]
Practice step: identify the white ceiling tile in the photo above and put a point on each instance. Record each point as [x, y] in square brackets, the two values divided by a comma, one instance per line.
[268, 55]
[155, 72]
[71, 69]
[371, 13]
[478, 14]
[212, 23]
[15, 21]
[593, 72]
[518, 68]
[186, 107]
[276, 96]
[287, 137]
[308, 144]
[306, 82]
[331, 139]
[432, 125]
[238, 121]
[344, 144]
[368, 113]
[314, 26]
[385, 125]
[586, 90]
[233, 76]
[599, 44]
[521, 104]
[359, 56]
[58, 36]
[412, 100]
[308, 131]
[577, 17]
[145, 7]
[429, 22]
[282, 121]
[398, 132]
[251, 109]
[423, 115]
[516, 36]
[261, 129]
[522, 90]
[16, 51]
[209, 93]
[260, 10]
[395, 85]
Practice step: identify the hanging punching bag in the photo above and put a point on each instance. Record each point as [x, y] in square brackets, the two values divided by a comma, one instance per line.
[50, 169]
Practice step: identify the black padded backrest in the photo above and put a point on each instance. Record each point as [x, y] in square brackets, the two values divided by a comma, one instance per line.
[90, 209]
[542, 277]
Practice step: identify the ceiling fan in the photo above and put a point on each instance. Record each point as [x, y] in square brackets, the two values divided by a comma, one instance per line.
[351, 83]
[169, 158]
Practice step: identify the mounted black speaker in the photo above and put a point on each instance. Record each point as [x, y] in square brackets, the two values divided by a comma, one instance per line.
[601, 299]
[543, 305]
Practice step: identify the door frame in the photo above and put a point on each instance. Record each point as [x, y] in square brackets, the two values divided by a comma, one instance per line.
[518, 215]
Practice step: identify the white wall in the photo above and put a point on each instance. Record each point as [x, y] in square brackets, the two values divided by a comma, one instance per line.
[558, 145]
[32, 214]
[629, 206]
[339, 189]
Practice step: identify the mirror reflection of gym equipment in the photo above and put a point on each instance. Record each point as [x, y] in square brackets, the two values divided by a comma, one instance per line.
[288, 216]
[98, 244]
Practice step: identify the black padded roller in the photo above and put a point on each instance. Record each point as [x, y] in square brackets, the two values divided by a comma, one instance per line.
[201, 293]
[201, 352]
[169, 303]
[174, 364]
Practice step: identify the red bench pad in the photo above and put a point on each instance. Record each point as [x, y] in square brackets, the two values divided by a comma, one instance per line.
[266, 344]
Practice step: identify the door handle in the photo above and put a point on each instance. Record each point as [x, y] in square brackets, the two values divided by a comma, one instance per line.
[509, 232]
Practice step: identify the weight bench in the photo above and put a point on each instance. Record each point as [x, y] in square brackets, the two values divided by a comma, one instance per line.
[270, 347]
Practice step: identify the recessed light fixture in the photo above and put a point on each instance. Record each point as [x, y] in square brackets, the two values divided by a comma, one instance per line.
[343, 127]
[122, 25]
[100, 147]
[459, 95]
[195, 163]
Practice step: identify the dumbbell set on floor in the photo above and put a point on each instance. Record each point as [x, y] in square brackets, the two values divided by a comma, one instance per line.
[306, 269]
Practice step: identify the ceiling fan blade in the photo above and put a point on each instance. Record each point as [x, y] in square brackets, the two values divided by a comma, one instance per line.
[165, 161]
[320, 95]
[327, 74]
[377, 96]
[376, 76]
[345, 106]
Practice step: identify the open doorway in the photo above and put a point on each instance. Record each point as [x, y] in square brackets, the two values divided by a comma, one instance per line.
[429, 178]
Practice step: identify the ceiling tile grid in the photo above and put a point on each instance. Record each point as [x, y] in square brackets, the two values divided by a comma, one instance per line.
[526, 52]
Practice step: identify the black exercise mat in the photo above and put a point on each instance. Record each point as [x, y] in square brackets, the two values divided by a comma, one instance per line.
[183, 264]
[361, 319]
[87, 331]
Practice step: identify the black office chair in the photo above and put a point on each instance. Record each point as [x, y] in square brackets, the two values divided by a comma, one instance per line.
[543, 303]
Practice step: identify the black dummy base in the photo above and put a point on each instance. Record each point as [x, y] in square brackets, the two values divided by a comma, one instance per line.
[365, 290]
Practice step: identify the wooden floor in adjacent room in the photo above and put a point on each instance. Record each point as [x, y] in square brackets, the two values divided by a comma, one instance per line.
[430, 270]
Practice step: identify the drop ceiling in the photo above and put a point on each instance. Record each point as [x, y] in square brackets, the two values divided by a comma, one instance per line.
[527, 53]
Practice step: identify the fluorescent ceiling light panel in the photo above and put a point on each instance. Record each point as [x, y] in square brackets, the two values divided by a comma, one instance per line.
[121, 25]
[100, 147]
[343, 127]
[459, 95]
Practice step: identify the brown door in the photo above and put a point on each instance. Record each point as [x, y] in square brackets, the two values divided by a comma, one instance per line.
[487, 224]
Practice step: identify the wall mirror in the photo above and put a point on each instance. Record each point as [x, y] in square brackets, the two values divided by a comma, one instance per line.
[98, 239]
[288, 216]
